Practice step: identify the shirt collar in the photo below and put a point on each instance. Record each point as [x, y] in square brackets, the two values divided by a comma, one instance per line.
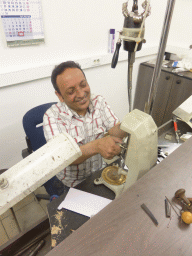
[72, 113]
[90, 107]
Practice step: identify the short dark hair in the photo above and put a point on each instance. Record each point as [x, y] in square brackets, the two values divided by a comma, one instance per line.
[60, 69]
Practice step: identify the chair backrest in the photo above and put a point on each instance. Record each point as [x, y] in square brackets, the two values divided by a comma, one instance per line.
[31, 120]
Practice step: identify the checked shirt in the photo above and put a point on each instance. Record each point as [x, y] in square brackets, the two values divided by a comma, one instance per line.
[83, 129]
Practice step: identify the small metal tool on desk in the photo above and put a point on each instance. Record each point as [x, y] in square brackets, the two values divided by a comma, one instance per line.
[145, 208]
[172, 207]
[167, 209]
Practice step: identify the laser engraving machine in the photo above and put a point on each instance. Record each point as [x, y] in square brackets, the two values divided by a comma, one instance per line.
[140, 151]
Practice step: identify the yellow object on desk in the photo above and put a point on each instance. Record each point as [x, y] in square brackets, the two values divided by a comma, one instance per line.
[187, 217]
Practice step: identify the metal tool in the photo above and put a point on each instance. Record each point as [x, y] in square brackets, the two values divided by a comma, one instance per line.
[133, 37]
[161, 52]
[146, 209]
[172, 207]
[37, 248]
[176, 129]
[32, 243]
[180, 194]
[167, 209]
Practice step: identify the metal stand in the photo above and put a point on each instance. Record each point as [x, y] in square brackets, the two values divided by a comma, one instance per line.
[162, 45]
[131, 60]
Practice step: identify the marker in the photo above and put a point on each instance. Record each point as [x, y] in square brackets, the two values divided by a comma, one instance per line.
[111, 45]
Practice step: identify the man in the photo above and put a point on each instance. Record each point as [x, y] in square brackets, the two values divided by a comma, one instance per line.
[86, 118]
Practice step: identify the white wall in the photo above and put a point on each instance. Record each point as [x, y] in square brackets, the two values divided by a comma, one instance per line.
[180, 32]
[17, 99]
[77, 30]
[73, 30]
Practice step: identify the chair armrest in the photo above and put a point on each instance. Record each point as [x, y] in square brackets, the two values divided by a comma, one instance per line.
[27, 151]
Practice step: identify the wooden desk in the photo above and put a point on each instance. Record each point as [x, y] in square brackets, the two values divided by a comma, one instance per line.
[123, 228]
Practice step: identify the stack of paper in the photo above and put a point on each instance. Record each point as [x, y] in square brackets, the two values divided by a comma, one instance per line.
[83, 202]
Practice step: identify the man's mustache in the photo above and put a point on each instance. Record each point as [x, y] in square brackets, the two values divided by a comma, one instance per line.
[82, 98]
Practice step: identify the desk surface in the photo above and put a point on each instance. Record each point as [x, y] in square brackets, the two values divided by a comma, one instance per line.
[123, 227]
[63, 222]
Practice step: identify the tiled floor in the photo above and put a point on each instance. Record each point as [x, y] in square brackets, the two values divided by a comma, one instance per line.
[27, 212]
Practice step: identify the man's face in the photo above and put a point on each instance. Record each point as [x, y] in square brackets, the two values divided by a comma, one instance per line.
[75, 91]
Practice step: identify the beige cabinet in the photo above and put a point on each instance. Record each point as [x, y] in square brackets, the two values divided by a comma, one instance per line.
[172, 90]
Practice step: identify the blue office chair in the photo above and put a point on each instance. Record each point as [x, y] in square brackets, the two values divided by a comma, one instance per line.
[32, 124]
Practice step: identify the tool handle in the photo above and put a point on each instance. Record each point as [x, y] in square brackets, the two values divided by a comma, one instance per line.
[180, 194]
[186, 200]
[116, 55]
[175, 126]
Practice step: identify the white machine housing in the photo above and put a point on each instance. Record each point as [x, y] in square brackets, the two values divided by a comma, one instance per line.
[34, 170]
[141, 153]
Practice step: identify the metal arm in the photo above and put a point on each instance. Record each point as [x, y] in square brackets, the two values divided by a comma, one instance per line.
[162, 45]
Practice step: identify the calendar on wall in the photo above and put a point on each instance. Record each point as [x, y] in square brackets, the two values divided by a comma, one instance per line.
[22, 22]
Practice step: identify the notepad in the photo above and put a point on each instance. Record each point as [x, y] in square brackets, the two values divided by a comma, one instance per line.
[83, 202]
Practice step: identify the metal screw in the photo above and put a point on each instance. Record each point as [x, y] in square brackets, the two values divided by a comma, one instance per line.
[3, 183]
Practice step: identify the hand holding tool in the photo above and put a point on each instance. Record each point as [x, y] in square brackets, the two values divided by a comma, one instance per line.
[167, 209]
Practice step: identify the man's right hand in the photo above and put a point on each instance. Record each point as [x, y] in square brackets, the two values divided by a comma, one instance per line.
[107, 147]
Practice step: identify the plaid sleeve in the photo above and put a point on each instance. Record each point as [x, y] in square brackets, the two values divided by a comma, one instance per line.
[51, 126]
[108, 117]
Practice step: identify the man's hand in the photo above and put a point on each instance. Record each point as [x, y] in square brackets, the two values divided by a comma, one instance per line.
[108, 148]
[117, 132]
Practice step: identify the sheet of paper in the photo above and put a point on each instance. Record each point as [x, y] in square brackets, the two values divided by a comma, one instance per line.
[83, 202]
